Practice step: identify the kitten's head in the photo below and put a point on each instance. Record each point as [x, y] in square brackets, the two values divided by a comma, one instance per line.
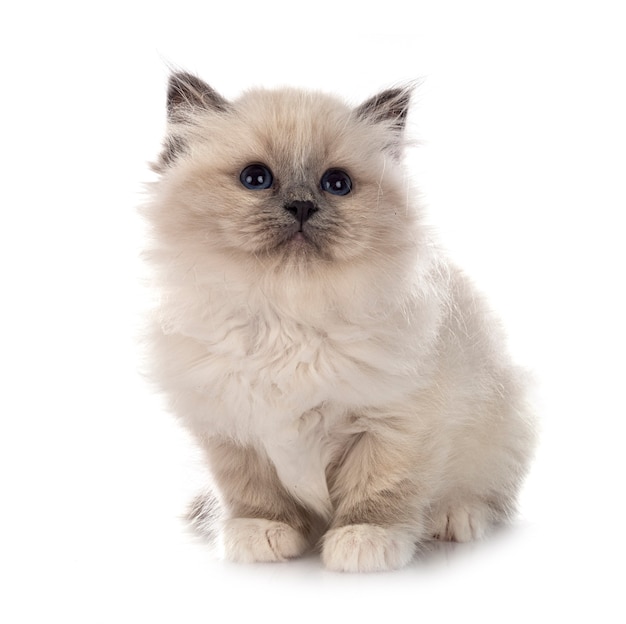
[283, 179]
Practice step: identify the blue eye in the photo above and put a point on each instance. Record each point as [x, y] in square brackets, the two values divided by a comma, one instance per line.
[337, 182]
[256, 177]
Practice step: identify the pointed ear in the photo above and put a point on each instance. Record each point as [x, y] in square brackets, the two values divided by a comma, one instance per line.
[390, 107]
[186, 94]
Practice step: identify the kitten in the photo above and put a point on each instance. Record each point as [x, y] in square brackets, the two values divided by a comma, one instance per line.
[349, 387]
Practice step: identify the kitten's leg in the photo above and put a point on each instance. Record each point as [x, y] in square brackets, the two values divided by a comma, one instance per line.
[264, 523]
[485, 473]
[378, 519]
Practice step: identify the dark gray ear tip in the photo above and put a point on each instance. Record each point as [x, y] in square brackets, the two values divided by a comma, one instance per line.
[391, 105]
[188, 92]
[177, 86]
[182, 76]
[182, 81]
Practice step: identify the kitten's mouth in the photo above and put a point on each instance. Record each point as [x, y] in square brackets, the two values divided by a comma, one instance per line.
[299, 240]
[299, 237]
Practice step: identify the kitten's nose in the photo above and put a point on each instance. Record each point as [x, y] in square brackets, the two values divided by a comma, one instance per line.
[301, 210]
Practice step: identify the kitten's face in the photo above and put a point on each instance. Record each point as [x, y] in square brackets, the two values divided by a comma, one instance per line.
[283, 177]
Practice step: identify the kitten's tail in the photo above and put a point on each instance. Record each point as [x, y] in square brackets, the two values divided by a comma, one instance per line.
[204, 515]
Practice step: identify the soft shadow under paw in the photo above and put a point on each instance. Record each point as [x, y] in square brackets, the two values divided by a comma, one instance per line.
[438, 551]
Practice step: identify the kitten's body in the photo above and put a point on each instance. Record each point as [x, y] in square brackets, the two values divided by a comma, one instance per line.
[343, 378]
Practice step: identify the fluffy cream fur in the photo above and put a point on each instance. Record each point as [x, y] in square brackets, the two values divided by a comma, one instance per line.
[349, 386]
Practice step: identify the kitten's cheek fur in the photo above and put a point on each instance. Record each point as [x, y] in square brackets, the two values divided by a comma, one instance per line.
[249, 540]
[367, 548]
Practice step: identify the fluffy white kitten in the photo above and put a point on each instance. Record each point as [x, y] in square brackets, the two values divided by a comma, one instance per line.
[350, 388]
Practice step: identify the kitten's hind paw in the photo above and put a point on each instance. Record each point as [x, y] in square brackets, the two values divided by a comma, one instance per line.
[463, 523]
[247, 540]
[367, 548]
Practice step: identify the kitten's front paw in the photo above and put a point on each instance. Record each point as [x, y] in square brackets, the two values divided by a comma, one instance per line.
[366, 548]
[247, 540]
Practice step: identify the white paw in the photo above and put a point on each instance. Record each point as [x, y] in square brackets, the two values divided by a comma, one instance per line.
[463, 523]
[366, 548]
[247, 540]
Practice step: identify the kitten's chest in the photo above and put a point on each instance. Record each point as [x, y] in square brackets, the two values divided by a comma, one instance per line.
[275, 365]
[253, 369]
[257, 368]
[281, 385]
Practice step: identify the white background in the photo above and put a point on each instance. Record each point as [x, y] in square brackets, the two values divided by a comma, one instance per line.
[521, 121]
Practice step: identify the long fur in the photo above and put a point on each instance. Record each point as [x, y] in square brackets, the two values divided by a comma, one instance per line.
[348, 384]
